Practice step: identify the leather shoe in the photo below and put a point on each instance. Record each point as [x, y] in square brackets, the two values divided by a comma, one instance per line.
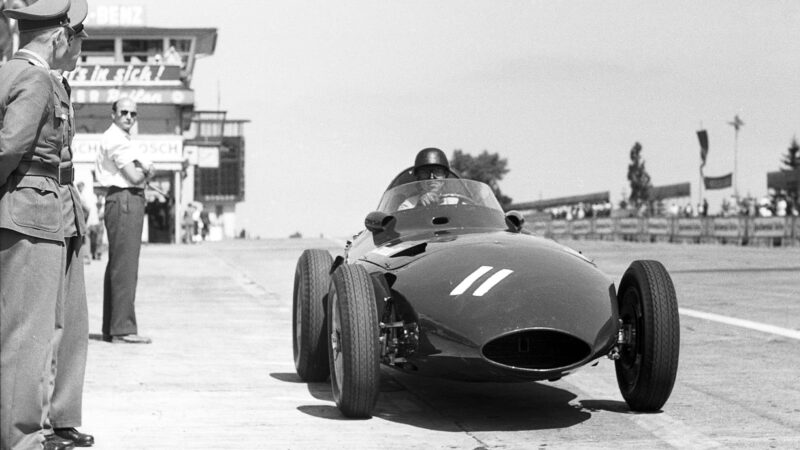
[77, 438]
[130, 339]
[53, 442]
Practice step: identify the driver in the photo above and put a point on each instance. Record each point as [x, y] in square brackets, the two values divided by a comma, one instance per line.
[431, 168]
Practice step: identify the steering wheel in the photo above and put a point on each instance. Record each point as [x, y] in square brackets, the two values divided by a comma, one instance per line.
[462, 199]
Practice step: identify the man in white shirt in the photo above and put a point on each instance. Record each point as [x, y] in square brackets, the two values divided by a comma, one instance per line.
[124, 171]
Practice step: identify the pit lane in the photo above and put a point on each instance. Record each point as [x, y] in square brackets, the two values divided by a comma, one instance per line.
[220, 374]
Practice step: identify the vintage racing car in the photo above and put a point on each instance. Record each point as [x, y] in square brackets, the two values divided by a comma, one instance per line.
[458, 289]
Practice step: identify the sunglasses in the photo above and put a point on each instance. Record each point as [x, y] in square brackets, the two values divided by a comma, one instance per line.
[125, 112]
[431, 172]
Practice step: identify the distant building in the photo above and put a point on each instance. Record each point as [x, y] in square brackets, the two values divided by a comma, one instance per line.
[198, 155]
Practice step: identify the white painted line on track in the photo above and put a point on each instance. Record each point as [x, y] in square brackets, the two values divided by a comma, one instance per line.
[785, 332]
[665, 427]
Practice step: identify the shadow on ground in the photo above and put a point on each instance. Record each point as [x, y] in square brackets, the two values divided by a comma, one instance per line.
[454, 406]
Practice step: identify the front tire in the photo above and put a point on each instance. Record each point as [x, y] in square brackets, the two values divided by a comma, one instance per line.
[308, 325]
[648, 310]
[353, 349]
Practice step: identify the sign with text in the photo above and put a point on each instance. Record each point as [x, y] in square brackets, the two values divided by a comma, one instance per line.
[115, 16]
[729, 227]
[628, 225]
[158, 96]
[125, 75]
[659, 226]
[559, 227]
[157, 148]
[689, 227]
[538, 228]
[581, 227]
[765, 227]
[604, 226]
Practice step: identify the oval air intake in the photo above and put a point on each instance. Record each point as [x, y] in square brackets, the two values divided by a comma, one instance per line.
[536, 350]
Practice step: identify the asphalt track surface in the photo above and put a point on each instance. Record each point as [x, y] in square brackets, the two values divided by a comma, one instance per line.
[220, 374]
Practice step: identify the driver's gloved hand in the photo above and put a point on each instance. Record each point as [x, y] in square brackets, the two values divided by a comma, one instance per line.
[429, 198]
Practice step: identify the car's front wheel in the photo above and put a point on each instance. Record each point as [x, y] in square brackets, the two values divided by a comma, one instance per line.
[353, 346]
[308, 325]
[648, 310]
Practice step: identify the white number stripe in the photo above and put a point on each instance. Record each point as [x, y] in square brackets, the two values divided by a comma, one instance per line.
[473, 277]
[492, 282]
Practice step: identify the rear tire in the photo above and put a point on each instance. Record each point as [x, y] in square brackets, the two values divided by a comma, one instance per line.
[648, 364]
[353, 347]
[311, 281]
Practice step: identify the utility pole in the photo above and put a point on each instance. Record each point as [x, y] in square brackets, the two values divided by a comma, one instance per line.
[736, 123]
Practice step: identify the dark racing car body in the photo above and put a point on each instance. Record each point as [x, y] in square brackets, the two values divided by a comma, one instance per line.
[458, 289]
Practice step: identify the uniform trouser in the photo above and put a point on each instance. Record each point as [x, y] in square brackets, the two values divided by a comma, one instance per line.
[71, 343]
[124, 219]
[30, 311]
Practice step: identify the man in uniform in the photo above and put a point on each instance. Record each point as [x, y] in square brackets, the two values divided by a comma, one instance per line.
[71, 342]
[120, 168]
[32, 253]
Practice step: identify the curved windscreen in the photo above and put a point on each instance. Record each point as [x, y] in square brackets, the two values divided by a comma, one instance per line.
[438, 193]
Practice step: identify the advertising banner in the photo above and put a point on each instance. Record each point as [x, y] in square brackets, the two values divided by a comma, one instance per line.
[160, 149]
[766, 227]
[538, 228]
[728, 227]
[628, 225]
[796, 221]
[559, 227]
[689, 227]
[658, 226]
[153, 95]
[604, 226]
[125, 75]
[581, 227]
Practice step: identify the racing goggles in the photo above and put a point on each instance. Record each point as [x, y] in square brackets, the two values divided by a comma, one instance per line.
[430, 172]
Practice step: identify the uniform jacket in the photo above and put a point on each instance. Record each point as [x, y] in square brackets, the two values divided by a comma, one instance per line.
[74, 218]
[32, 120]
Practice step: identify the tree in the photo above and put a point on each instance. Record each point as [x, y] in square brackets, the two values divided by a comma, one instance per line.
[487, 167]
[791, 161]
[792, 158]
[638, 177]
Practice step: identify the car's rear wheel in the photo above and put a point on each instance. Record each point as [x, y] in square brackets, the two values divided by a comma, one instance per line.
[648, 310]
[311, 281]
[353, 349]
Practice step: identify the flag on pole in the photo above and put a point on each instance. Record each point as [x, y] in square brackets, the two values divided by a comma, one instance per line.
[702, 136]
[736, 123]
[722, 182]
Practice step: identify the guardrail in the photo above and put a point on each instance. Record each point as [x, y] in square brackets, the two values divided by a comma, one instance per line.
[770, 231]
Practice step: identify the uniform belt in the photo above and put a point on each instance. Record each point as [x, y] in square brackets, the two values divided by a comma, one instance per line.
[132, 190]
[63, 175]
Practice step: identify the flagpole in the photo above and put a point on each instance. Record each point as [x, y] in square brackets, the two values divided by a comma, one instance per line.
[737, 123]
[736, 162]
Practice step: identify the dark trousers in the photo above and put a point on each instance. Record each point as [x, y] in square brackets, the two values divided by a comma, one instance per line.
[31, 311]
[71, 343]
[95, 239]
[124, 219]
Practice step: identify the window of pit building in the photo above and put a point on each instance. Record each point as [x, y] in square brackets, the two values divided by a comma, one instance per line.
[178, 51]
[98, 51]
[143, 51]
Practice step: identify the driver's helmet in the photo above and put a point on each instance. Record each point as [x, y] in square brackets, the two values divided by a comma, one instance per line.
[430, 160]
